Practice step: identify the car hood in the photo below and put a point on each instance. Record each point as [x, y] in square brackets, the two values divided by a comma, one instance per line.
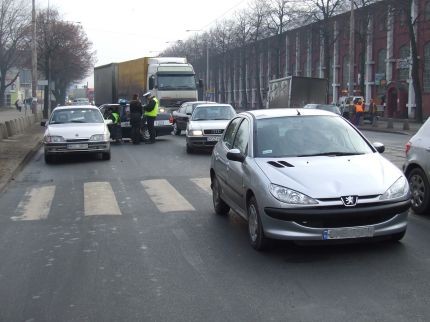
[328, 177]
[75, 130]
[208, 125]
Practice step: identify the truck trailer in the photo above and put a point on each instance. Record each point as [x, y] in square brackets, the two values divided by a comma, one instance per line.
[171, 79]
[296, 92]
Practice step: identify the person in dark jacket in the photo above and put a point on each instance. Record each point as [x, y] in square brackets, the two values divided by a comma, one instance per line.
[135, 119]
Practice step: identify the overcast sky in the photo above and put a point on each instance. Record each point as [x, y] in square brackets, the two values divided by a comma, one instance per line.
[128, 29]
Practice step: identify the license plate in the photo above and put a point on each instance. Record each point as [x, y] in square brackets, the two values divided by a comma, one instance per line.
[162, 122]
[77, 146]
[125, 124]
[350, 232]
[213, 138]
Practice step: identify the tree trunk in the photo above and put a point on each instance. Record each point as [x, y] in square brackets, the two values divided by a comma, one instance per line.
[231, 74]
[222, 80]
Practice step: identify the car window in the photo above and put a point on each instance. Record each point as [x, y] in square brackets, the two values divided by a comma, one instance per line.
[308, 136]
[189, 109]
[230, 132]
[242, 137]
[215, 112]
[72, 115]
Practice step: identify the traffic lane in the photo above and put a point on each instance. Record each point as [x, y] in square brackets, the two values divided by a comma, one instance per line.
[190, 265]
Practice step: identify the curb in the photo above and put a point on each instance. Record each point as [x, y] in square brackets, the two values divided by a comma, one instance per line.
[29, 155]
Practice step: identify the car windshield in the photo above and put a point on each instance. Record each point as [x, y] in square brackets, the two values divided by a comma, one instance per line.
[300, 136]
[176, 82]
[76, 115]
[204, 113]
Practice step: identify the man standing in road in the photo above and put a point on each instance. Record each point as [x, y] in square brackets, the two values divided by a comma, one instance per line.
[135, 119]
[151, 112]
[359, 109]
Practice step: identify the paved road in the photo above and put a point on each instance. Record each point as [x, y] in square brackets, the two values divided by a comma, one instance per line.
[135, 239]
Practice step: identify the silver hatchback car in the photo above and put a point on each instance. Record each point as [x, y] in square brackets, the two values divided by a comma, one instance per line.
[417, 168]
[305, 174]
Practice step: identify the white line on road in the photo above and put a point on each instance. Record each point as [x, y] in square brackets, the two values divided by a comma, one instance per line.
[99, 199]
[36, 204]
[203, 183]
[165, 196]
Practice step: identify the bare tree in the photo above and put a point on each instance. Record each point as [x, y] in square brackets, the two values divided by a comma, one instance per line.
[14, 25]
[242, 35]
[64, 51]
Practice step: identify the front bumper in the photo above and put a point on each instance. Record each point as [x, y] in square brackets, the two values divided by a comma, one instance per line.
[83, 147]
[202, 141]
[312, 223]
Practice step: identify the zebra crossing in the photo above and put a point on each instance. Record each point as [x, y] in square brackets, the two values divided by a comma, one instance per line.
[100, 199]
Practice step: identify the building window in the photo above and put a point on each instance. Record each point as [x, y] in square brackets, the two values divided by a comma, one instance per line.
[403, 68]
[427, 11]
[426, 76]
[402, 17]
[383, 24]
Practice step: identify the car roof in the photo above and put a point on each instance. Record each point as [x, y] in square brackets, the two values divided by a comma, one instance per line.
[212, 104]
[68, 107]
[281, 112]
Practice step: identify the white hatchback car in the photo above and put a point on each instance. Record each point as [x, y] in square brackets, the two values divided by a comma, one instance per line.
[76, 129]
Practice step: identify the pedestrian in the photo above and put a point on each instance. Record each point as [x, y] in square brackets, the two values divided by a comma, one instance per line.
[372, 110]
[135, 119]
[18, 105]
[151, 112]
[359, 109]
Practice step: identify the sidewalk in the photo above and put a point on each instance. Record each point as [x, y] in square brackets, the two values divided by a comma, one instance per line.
[16, 150]
[399, 126]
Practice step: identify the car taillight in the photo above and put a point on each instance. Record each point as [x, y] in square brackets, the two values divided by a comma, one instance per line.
[171, 119]
[407, 147]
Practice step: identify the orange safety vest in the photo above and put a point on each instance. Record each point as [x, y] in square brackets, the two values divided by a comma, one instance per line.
[359, 108]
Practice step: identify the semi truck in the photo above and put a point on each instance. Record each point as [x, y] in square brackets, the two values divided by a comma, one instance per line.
[296, 92]
[171, 79]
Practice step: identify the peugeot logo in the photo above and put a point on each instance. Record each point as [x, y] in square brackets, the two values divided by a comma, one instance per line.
[349, 201]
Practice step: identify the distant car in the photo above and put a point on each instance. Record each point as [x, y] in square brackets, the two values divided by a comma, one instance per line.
[207, 124]
[81, 101]
[306, 174]
[76, 129]
[183, 114]
[326, 107]
[162, 123]
[417, 169]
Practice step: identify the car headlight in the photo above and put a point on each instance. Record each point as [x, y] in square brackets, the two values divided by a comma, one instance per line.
[290, 196]
[54, 139]
[195, 133]
[98, 137]
[398, 189]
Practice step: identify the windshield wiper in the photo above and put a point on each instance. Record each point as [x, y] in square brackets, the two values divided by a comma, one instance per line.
[77, 121]
[330, 154]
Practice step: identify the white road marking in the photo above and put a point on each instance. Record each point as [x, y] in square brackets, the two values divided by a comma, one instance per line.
[165, 196]
[36, 204]
[203, 183]
[99, 199]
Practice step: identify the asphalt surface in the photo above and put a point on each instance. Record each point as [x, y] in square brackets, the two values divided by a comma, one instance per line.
[157, 251]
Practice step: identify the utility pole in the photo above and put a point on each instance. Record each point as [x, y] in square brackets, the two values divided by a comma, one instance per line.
[33, 60]
[351, 52]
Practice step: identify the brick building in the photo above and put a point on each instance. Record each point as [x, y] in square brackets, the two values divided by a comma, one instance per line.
[382, 68]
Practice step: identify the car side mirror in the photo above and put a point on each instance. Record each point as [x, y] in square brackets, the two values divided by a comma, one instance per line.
[107, 122]
[235, 155]
[380, 147]
[43, 123]
[189, 113]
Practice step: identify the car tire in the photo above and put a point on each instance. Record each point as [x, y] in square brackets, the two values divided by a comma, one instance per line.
[420, 191]
[176, 130]
[220, 207]
[255, 228]
[189, 149]
[49, 158]
[145, 134]
[398, 236]
[106, 155]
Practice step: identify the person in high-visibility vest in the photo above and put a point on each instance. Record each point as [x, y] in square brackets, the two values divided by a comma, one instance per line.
[151, 112]
[115, 128]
